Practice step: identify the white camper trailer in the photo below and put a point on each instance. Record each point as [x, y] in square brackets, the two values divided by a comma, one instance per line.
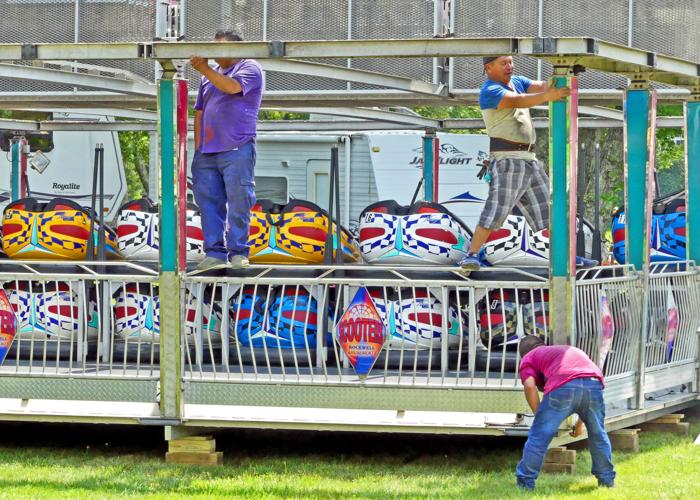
[69, 172]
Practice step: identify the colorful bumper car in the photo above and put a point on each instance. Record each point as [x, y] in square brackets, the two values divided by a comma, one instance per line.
[506, 315]
[50, 310]
[277, 317]
[516, 244]
[418, 234]
[294, 233]
[138, 232]
[136, 309]
[414, 320]
[668, 238]
[57, 230]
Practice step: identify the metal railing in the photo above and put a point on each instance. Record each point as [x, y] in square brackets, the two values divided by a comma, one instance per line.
[60, 308]
[673, 312]
[443, 330]
[608, 318]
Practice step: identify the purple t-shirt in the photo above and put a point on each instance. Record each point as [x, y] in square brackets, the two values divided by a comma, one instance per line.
[230, 120]
[555, 365]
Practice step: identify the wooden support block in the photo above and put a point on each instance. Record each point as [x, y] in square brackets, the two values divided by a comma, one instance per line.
[560, 456]
[679, 428]
[559, 468]
[673, 418]
[192, 445]
[193, 458]
[625, 440]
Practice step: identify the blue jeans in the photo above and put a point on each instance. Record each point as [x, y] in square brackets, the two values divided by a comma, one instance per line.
[224, 188]
[583, 396]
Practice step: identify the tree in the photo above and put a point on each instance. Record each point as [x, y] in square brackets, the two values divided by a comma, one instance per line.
[135, 155]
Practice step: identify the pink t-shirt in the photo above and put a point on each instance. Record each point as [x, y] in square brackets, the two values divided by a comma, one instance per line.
[555, 365]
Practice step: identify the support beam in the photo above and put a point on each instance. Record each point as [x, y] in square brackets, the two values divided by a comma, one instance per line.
[15, 169]
[85, 80]
[170, 392]
[563, 152]
[692, 168]
[351, 75]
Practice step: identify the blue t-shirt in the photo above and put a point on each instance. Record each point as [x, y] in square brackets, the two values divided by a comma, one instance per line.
[492, 92]
[230, 120]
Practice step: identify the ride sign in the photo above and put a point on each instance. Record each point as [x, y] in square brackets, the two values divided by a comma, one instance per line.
[8, 325]
[361, 333]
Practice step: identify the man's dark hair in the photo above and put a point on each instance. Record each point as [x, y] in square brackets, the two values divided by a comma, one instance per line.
[529, 343]
[229, 35]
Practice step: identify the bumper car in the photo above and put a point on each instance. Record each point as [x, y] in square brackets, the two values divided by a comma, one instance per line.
[294, 233]
[418, 234]
[57, 230]
[274, 317]
[138, 232]
[414, 321]
[50, 310]
[668, 238]
[136, 312]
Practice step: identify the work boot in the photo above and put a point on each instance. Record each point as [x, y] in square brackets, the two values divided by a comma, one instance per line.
[239, 262]
[211, 263]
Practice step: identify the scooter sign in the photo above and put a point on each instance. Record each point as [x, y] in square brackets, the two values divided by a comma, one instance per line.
[8, 325]
[361, 333]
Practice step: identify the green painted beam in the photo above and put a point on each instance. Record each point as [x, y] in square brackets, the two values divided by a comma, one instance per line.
[692, 151]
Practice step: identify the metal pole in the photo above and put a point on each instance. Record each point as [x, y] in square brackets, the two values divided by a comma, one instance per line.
[581, 182]
[170, 300]
[335, 165]
[692, 180]
[639, 143]
[563, 153]
[15, 169]
[181, 98]
[639, 167]
[429, 168]
[597, 240]
[328, 249]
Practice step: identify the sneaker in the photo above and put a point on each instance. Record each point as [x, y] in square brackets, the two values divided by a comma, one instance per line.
[584, 263]
[239, 261]
[470, 262]
[211, 263]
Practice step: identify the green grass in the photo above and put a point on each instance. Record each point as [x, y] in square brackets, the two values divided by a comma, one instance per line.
[108, 462]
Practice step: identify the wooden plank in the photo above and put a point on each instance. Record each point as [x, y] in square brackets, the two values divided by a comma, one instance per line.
[194, 438]
[189, 458]
[623, 440]
[680, 428]
[192, 445]
[673, 418]
[560, 456]
[559, 468]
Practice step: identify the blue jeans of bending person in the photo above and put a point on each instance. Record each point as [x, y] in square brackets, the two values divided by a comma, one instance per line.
[224, 188]
[583, 396]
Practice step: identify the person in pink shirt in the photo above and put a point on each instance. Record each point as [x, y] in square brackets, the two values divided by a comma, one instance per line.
[571, 383]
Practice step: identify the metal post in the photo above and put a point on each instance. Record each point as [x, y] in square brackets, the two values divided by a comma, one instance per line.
[692, 169]
[18, 158]
[563, 155]
[639, 136]
[169, 289]
[431, 157]
[639, 143]
[181, 99]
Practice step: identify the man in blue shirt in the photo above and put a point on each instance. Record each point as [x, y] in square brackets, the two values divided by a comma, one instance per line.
[517, 177]
[223, 167]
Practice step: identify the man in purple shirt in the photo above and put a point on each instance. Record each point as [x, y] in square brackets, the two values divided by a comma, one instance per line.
[223, 168]
[571, 383]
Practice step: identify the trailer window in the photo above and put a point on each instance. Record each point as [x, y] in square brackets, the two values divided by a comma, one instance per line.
[271, 188]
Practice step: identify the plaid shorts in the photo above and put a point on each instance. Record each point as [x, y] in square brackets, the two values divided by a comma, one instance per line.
[521, 183]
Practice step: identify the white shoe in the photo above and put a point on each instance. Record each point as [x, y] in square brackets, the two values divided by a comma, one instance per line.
[239, 262]
[211, 263]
